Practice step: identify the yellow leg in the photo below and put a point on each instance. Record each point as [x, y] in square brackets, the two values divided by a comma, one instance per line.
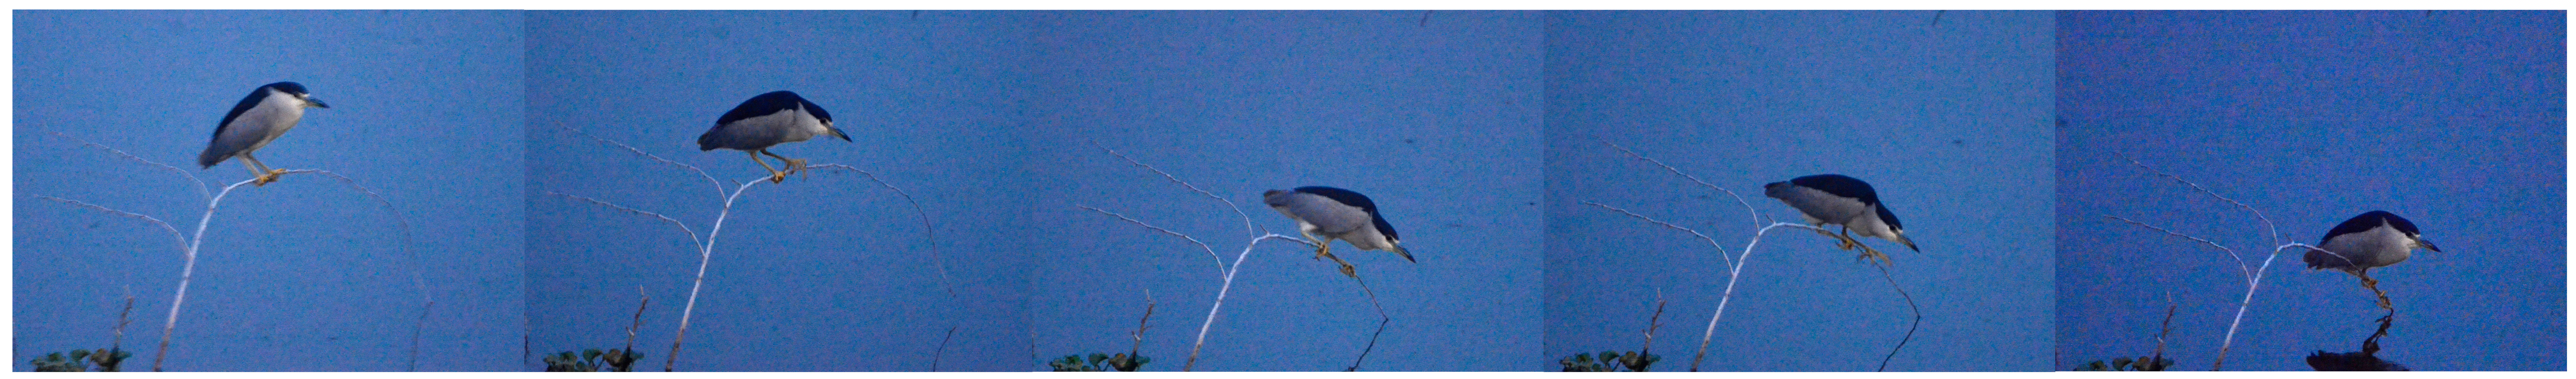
[793, 165]
[262, 174]
[2373, 285]
[1837, 238]
[774, 175]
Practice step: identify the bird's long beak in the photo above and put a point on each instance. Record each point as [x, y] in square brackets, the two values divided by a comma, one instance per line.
[1909, 243]
[836, 132]
[2428, 244]
[1408, 255]
[315, 103]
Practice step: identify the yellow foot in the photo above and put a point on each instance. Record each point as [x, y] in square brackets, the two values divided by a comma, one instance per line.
[1867, 253]
[269, 177]
[795, 166]
[1347, 269]
[778, 177]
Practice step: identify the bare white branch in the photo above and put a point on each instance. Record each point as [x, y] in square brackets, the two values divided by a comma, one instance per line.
[1221, 291]
[202, 192]
[2267, 221]
[684, 227]
[2253, 277]
[1211, 251]
[1712, 242]
[174, 232]
[1739, 200]
[929, 233]
[1731, 276]
[706, 251]
[418, 278]
[1248, 228]
[711, 179]
[2241, 266]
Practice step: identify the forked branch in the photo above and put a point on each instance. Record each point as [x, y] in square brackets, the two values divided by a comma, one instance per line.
[1735, 265]
[1248, 228]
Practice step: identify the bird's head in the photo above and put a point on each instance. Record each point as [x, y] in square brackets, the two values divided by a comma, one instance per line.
[1900, 238]
[836, 132]
[297, 90]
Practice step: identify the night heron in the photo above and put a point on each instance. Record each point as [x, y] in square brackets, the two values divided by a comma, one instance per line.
[2375, 239]
[1840, 200]
[1325, 214]
[768, 120]
[254, 122]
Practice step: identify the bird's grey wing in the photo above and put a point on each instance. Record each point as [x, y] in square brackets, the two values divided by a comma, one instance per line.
[216, 148]
[1329, 217]
[2317, 259]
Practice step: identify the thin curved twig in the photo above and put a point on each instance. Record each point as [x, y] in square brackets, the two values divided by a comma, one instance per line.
[1382, 320]
[930, 234]
[1732, 275]
[2267, 221]
[1712, 242]
[2253, 282]
[1909, 304]
[418, 275]
[1248, 228]
[1739, 199]
[2231, 253]
[413, 365]
[202, 192]
[684, 227]
[189, 271]
[174, 232]
[1223, 289]
[705, 253]
[420, 268]
[1220, 261]
[711, 179]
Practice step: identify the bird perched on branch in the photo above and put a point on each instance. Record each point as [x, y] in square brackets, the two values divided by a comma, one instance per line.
[1325, 214]
[2374, 239]
[254, 122]
[1840, 200]
[768, 120]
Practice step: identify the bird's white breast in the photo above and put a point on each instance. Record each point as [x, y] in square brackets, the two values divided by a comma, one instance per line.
[2377, 247]
[1868, 225]
[789, 125]
[262, 123]
[1825, 207]
[1327, 217]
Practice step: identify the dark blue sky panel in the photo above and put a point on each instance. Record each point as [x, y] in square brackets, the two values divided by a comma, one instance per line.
[2454, 120]
[826, 272]
[1436, 120]
[1948, 121]
[303, 274]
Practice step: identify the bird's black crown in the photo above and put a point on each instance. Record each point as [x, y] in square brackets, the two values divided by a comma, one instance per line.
[1839, 185]
[2372, 219]
[770, 103]
[291, 88]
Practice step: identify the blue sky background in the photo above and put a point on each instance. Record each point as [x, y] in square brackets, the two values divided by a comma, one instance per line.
[2454, 120]
[1947, 121]
[303, 274]
[827, 272]
[1435, 119]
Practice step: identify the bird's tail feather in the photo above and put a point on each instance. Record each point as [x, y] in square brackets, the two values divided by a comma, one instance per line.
[209, 158]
